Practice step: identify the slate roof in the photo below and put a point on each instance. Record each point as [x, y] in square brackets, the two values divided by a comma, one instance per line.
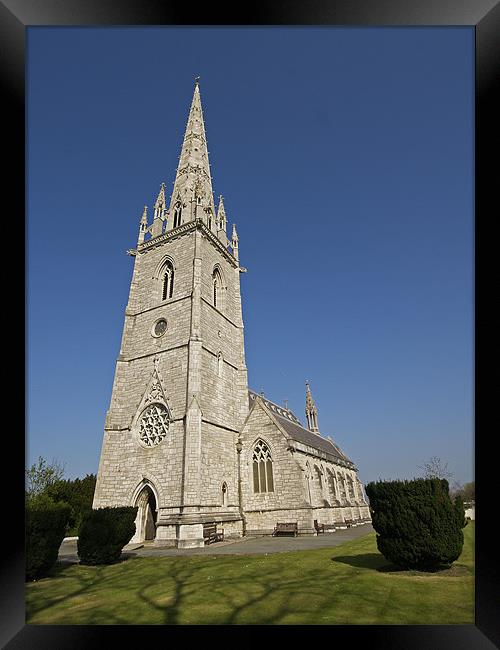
[293, 427]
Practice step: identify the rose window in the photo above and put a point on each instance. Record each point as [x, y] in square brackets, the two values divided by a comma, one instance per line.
[153, 425]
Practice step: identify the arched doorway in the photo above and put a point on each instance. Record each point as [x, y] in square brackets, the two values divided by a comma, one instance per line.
[147, 513]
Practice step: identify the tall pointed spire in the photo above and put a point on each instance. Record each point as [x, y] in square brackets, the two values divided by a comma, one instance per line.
[311, 411]
[192, 195]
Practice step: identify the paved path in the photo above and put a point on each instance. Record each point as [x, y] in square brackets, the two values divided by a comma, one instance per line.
[244, 546]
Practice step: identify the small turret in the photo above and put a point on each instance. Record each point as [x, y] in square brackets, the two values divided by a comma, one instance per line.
[311, 411]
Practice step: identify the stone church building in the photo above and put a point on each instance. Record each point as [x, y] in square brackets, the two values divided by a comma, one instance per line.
[185, 440]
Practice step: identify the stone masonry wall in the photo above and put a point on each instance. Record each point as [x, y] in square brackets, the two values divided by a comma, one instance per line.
[288, 488]
[218, 465]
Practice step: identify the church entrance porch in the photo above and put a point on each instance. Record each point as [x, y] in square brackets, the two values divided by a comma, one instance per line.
[147, 513]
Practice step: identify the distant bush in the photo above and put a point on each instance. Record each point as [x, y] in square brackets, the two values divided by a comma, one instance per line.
[103, 534]
[417, 525]
[45, 527]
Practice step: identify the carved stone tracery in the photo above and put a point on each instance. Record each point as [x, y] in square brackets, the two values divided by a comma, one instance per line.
[153, 424]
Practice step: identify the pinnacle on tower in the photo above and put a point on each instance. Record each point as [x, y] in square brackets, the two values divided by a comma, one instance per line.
[143, 226]
[234, 242]
[311, 411]
[221, 215]
[160, 209]
[160, 201]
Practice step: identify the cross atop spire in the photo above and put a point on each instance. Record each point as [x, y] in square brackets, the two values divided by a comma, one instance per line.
[311, 411]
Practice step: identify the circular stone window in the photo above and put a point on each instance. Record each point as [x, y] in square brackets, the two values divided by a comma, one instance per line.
[159, 328]
[153, 425]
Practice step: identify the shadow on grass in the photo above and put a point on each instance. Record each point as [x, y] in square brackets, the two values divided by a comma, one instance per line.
[373, 561]
[377, 562]
[239, 598]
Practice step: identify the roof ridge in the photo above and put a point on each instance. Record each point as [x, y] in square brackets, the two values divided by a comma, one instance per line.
[276, 408]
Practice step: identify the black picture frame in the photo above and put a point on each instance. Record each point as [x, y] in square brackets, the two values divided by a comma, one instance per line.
[484, 16]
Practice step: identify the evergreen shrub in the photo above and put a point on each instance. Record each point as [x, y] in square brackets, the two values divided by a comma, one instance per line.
[417, 525]
[103, 534]
[46, 523]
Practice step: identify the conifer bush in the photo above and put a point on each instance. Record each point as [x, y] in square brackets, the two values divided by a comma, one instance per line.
[417, 525]
[45, 528]
[103, 534]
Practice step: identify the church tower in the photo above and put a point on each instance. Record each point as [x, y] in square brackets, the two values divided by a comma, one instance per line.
[180, 393]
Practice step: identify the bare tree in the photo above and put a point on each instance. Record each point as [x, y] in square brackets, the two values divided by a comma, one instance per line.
[42, 474]
[434, 468]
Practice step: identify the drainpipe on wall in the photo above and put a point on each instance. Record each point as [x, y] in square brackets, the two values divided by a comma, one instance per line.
[239, 447]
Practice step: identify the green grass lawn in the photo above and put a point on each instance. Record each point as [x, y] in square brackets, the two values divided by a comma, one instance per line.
[348, 584]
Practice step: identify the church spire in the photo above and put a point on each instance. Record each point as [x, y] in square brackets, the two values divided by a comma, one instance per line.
[311, 411]
[192, 196]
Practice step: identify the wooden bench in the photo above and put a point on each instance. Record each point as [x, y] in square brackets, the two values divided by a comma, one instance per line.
[211, 534]
[321, 528]
[287, 528]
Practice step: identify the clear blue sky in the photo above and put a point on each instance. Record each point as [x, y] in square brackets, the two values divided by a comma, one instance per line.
[345, 156]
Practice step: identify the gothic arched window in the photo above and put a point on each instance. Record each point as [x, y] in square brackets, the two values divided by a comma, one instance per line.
[217, 289]
[177, 214]
[350, 486]
[331, 483]
[342, 487]
[318, 476]
[262, 468]
[224, 494]
[167, 276]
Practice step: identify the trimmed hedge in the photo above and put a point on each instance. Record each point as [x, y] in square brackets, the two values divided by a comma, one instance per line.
[417, 525]
[103, 534]
[45, 528]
